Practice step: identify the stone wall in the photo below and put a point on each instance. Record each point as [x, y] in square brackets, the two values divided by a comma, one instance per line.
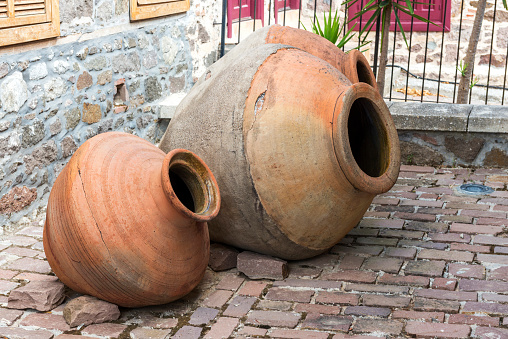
[102, 74]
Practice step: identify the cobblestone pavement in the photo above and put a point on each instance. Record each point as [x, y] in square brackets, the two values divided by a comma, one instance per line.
[423, 262]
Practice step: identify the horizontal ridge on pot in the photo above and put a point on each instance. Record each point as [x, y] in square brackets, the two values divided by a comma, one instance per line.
[127, 223]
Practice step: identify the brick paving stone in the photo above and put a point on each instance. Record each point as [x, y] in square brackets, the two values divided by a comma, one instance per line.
[401, 234]
[38, 246]
[27, 276]
[281, 294]
[456, 218]
[377, 288]
[423, 244]
[273, 318]
[481, 285]
[327, 322]
[239, 306]
[7, 286]
[393, 327]
[500, 273]
[415, 315]
[474, 229]
[446, 255]
[492, 221]
[490, 240]
[308, 283]
[390, 265]
[347, 336]
[437, 227]
[7, 274]
[274, 305]
[156, 322]
[382, 223]
[21, 333]
[297, 334]
[489, 308]
[374, 214]
[303, 272]
[317, 308]
[446, 295]
[432, 330]
[188, 332]
[473, 320]
[426, 268]
[218, 298]
[351, 275]
[254, 331]
[376, 241]
[357, 249]
[428, 196]
[385, 300]
[437, 211]
[423, 203]
[491, 332]
[364, 232]
[449, 237]
[105, 330]
[406, 253]
[447, 197]
[72, 336]
[385, 201]
[466, 271]
[417, 169]
[405, 209]
[466, 206]
[470, 248]
[20, 240]
[203, 315]
[438, 190]
[337, 298]
[223, 328]
[415, 216]
[351, 262]
[500, 250]
[29, 264]
[410, 280]
[436, 305]
[21, 251]
[32, 231]
[46, 320]
[9, 316]
[150, 333]
[230, 282]
[484, 214]
[252, 288]
[444, 284]
[366, 311]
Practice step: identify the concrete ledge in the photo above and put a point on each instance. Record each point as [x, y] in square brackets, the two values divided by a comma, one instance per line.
[168, 105]
[418, 116]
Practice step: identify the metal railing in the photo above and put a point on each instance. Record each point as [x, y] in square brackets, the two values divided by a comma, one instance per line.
[427, 71]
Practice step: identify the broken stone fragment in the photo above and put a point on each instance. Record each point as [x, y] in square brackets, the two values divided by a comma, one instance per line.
[86, 310]
[259, 266]
[222, 257]
[39, 295]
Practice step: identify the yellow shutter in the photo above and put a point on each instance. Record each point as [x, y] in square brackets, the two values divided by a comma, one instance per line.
[145, 9]
[27, 20]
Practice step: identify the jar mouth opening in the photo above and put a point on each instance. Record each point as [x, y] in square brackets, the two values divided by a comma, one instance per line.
[361, 71]
[365, 140]
[190, 185]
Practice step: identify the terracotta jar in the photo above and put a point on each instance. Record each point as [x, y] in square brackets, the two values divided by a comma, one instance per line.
[128, 224]
[298, 150]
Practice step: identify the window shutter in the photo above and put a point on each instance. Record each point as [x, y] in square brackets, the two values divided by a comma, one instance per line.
[145, 9]
[28, 20]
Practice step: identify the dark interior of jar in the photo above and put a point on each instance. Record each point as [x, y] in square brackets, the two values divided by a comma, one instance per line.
[364, 73]
[368, 138]
[187, 187]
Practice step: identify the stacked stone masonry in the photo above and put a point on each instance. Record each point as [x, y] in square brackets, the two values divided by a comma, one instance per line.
[102, 74]
[423, 262]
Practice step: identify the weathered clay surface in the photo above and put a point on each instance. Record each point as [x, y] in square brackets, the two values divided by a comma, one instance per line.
[39, 295]
[86, 310]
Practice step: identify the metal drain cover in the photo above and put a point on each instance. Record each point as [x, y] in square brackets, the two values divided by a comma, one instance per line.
[475, 189]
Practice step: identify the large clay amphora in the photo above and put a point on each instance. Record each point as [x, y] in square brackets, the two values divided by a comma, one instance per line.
[298, 150]
[127, 223]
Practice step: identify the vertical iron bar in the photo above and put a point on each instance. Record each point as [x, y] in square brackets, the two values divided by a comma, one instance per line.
[393, 55]
[315, 8]
[490, 56]
[223, 28]
[360, 28]
[505, 68]
[471, 88]
[239, 19]
[345, 20]
[270, 10]
[458, 51]
[255, 8]
[425, 55]
[442, 46]
[376, 45]
[299, 12]
[409, 57]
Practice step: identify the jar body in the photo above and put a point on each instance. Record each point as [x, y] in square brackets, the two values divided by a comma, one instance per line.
[112, 232]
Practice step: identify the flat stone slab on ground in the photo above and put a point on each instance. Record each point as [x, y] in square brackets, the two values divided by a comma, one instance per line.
[222, 257]
[259, 266]
[39, 295]
[86, 310]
